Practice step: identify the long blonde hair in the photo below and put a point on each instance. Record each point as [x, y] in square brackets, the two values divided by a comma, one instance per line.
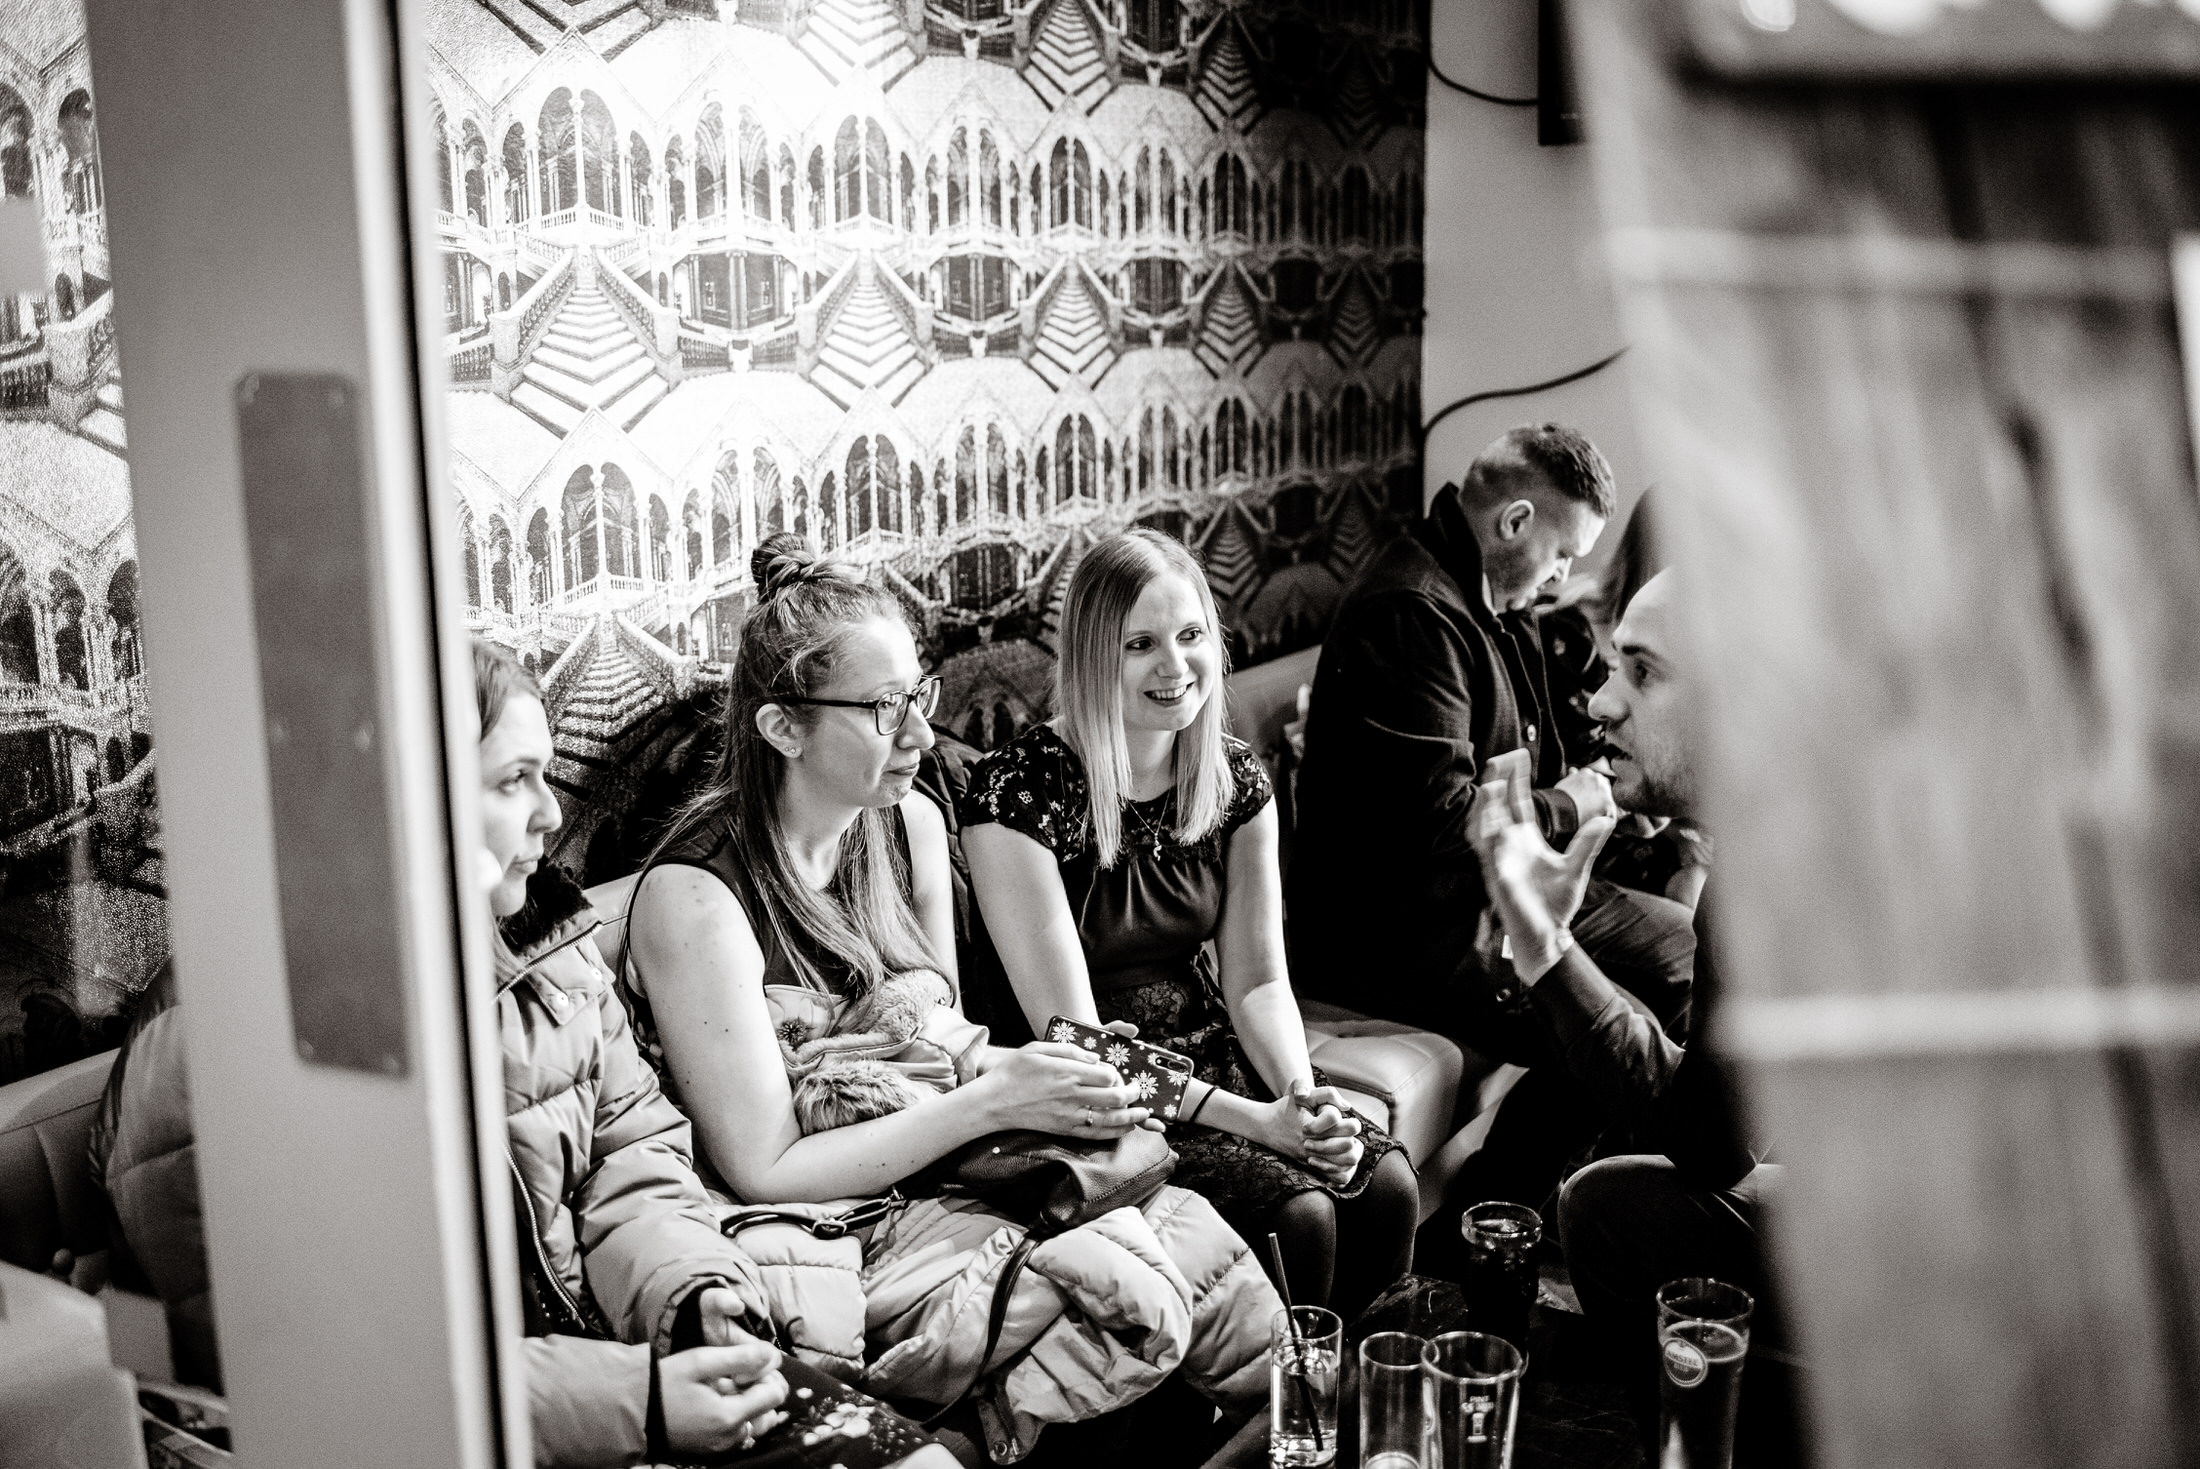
[806, 605]
[1088, 689]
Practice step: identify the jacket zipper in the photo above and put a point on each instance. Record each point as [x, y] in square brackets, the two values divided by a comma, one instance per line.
[542, 1256]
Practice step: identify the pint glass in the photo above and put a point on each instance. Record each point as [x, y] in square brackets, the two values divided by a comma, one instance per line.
[1703, 1335]
[1394, 1402]
[1305, 1353]
[1474, 1379]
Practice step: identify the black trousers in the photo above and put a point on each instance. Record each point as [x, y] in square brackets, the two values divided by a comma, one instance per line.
[1630, 1224]
[1644, 944]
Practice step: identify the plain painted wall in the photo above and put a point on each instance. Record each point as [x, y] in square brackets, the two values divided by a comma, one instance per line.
[1517, 291]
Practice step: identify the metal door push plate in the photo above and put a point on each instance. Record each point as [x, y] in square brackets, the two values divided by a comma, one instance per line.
[314, 599]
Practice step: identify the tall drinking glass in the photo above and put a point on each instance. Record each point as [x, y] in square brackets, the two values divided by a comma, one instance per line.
[1703, 1336]
[1474, 1389]
[1501, 1275]
[1394, 1408]
[1305, 1349]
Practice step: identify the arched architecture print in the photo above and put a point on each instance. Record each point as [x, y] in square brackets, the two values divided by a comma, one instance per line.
[79, 824]
[951, 288]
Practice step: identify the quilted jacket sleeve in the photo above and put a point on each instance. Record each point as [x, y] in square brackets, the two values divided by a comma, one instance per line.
[648, 1231]
[588, 1402]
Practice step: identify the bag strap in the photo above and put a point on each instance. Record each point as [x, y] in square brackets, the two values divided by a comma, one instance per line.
[832, 1226]
[996, 1319]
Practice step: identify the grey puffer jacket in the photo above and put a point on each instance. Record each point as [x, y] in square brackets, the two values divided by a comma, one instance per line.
[605, 1162]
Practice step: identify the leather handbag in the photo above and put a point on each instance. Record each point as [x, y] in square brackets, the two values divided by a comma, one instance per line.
[1053, 1183]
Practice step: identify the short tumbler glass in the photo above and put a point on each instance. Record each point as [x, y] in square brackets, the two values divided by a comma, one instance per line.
[1474, 1381]
[1394, 1402]
[1306, 1349]
[1501, 1273]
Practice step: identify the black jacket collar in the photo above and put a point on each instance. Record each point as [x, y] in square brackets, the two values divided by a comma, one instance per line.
[1444, 531]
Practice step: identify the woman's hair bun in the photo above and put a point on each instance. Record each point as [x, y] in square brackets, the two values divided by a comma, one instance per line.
[784, 560]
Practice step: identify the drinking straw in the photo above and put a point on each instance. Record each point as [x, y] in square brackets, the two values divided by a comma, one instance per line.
[1298, 1340]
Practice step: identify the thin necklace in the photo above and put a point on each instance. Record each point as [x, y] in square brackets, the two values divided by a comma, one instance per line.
[1151, 824]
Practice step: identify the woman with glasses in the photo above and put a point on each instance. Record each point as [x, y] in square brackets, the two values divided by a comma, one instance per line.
[1110, 847]
[791, 969]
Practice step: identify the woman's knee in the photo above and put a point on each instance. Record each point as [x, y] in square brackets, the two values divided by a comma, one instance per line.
[1308, 1215]
[1395, 1189]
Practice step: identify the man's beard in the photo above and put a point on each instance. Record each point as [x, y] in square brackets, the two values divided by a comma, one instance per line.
[1650, 796]
[1505, 567]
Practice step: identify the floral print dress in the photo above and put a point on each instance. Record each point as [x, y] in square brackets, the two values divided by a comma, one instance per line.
[1145, 924]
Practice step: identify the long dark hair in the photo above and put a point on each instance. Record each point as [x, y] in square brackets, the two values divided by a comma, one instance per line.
[792, 639]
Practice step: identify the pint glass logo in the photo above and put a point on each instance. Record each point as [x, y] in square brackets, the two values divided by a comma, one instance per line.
[1684, 1362]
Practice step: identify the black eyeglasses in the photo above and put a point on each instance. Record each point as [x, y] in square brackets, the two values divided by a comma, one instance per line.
[889, 713]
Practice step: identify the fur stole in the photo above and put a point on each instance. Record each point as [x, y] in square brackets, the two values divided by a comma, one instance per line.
[852, 1075]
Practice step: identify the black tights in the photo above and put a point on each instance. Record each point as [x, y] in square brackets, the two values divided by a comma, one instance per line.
[1375, 1228]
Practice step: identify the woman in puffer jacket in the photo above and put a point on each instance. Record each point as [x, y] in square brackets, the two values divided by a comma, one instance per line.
[640, 1312]
[790, 969]
[642, 1318]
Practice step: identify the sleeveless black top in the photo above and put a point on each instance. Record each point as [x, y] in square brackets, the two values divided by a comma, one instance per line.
[800, 1010]
[1145, 924]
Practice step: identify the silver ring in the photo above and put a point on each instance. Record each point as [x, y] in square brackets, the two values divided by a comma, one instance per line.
[748, 1436]
[1090, 1120]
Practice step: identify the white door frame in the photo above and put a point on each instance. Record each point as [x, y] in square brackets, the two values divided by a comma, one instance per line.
[266, 218]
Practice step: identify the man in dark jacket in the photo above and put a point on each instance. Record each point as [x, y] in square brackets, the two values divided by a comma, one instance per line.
[1432, 668]
[1692, 1207]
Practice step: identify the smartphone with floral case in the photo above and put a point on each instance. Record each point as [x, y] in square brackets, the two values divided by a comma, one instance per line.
[1160, 1075]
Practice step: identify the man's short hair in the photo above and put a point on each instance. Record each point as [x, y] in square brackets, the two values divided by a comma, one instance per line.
[1553, 453]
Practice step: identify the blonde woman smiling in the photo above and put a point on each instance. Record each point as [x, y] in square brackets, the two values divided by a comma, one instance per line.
[1109, 847]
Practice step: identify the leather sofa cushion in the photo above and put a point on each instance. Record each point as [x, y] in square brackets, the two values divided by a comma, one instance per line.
[1415, 1074]
[48, 1201]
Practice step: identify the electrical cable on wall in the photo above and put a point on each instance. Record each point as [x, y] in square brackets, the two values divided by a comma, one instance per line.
[1487, 395]
[1558, 110]
[1457, 86]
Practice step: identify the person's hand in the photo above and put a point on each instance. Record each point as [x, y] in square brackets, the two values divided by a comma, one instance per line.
[724, 1318]
[1535, 890]
[1331, 1133]
[1060, 1089]
[717, 1399]
[1591, 791]
[1309, 1125]
[1129, 1032]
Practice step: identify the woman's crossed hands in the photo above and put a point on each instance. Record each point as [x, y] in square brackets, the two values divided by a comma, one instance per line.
[1310, 1125]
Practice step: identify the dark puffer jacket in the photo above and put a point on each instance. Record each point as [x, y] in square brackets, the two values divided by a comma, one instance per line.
[605, 1161]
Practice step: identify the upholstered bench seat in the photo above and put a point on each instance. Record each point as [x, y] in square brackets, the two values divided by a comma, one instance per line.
[48, 1201]
[1417, 1085]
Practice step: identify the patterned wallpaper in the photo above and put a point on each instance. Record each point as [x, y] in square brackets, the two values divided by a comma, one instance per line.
[83, 907]
[952, 288]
